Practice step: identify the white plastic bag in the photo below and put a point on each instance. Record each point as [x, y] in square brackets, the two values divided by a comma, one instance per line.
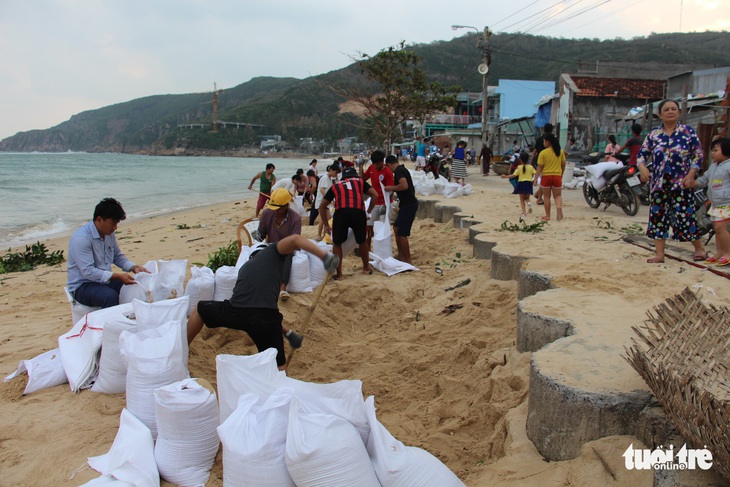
[324, 450]
[225, 280]
[254, 442]
[151, 315]
[299, 278]
[186, 415]
[171, 279]
[317, 271]
[141, 290]
[155, 360]
[391, 265]
[397, 465]
[132, 456]
[112, 378]
[382, 240]
[241, 374]
[200, 287]
[44, 370]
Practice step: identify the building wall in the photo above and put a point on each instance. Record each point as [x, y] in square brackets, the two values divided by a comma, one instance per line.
[591, 120]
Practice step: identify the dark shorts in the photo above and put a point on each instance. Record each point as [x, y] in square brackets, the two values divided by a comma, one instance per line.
[404, 220]
[346, 218]
[263, 325]
[524, 187]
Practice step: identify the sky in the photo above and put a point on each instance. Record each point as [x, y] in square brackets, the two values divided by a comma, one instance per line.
[62, 57]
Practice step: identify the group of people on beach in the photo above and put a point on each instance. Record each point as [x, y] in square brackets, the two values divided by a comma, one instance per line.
[673, 148]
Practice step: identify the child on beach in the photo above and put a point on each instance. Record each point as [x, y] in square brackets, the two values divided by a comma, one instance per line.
[458, 165]
[717, 181]
[524, 175]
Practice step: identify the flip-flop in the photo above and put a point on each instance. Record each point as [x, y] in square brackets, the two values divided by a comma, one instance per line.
[700, 258]
[711, 260]
[544, 218]
[722, 262]
[655, 260]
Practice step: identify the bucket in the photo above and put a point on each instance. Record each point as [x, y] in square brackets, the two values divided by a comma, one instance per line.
[568, 174]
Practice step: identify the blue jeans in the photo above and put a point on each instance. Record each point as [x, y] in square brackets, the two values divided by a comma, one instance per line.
[98, 295]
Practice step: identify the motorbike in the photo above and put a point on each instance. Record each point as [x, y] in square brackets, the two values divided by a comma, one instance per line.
[621, 189]
[438, 166]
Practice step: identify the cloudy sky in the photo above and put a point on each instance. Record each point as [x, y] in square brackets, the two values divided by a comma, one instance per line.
[61, 57]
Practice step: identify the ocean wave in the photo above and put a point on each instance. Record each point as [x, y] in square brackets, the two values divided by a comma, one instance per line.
[16, 237]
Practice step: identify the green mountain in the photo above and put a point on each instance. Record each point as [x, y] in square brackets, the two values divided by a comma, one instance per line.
[295, 108]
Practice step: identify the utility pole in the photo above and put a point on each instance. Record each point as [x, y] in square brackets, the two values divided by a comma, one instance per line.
[484, 69]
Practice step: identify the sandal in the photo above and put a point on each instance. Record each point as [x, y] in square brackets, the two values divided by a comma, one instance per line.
[545, 218]
[700, 257]
[711, 260]
[655, 260]
[722, 262]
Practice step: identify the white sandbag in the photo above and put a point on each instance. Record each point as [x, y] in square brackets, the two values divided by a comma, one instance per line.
[241, 374]
[132, 456]
[324, 450]
[152, 315]
[456, 194]
[200, 287]
[450, 188]
[79, 348]
[425, 187]
[112, 378]
[597, 170]
[225, 280]
[342, 399]
[106, 481]
[186, 414]
[468, 189]
[299, 276]
[391, 265]
[397, 465]
[171, 279]
[350, 244]
[141, 290]
[254, 442]
[597, 183]
[317, 271]
[297, 204]
[382, 240]
[242, 257]
[44, 370]
[155, 360]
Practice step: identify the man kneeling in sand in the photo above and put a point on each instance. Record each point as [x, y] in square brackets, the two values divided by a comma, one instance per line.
[253, 307]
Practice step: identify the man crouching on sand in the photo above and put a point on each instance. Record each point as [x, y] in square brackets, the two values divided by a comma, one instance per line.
[254, 305]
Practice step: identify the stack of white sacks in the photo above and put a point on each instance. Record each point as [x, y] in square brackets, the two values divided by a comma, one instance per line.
[275, 430]
[426, 185]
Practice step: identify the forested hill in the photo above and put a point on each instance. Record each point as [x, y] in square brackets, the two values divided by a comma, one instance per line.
[297, 108]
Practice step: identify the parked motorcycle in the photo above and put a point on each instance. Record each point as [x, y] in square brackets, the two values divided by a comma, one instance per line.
[621, 189]
[438, 166]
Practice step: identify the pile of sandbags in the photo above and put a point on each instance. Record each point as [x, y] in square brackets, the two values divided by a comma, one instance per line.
[425, 184]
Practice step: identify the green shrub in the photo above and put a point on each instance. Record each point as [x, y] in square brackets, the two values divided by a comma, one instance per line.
[223, 256]
[34, 255]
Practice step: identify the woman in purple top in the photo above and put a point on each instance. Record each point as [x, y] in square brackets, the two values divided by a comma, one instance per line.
[676, 155]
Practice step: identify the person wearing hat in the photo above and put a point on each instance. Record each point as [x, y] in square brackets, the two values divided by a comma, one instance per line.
[254, 304]
[348, 195]
[278, 221]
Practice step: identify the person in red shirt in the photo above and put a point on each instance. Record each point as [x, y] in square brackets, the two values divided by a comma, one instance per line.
[377, 173]
[633, 144]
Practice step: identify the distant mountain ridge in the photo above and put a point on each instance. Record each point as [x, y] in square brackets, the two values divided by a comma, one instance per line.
[295, 108]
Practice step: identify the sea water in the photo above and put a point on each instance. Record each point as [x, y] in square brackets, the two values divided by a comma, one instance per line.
[44, 195]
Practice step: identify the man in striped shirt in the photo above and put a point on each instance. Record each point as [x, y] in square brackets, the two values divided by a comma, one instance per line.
[348, 197]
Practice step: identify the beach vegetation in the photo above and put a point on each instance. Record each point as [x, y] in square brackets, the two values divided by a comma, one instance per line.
[523, 226]
[34, 255]
[224, 256]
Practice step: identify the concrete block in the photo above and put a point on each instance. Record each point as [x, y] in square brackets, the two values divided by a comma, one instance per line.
[425, 208]
[464, 220]
[483, 247]
[560, 418]
[534, 331]
[532, 283]
[443, 213]
[506, 267]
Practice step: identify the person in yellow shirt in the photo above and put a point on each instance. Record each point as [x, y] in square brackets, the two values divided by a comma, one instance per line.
[550, 167]
[524, 174]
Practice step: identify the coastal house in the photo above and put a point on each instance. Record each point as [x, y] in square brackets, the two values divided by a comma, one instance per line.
[590, 107]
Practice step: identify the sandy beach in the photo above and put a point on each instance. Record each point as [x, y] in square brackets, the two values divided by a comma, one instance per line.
[441, 363]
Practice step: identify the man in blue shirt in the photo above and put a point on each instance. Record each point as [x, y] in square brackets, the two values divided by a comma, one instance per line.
[91, 252]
